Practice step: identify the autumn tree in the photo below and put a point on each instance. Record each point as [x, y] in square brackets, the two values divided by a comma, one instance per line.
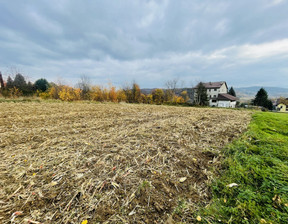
[158, 96]
[113, 94]
[283, 100]
[121, 96]
[132, 93]
[96, 94]
[68, 93]
[184, 95]
[136, 93]
[53, 91]
[15, 92]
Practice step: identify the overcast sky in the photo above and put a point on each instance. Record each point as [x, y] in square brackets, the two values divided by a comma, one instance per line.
[242, 42]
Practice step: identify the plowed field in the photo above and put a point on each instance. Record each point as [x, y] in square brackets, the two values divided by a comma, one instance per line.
[109, 163]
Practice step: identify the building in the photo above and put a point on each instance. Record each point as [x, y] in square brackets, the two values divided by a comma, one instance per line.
[281, 107]
[217, 93]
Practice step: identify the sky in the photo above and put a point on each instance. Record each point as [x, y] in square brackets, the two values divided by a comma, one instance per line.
[244, 43]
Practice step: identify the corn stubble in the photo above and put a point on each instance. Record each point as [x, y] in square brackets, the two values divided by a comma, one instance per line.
[109, 163]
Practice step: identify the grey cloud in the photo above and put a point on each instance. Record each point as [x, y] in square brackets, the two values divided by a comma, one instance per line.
[149, 41]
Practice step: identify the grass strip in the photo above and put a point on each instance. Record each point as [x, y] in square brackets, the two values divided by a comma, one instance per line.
[258, 164]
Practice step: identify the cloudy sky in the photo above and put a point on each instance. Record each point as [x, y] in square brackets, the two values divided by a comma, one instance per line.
[242, 42]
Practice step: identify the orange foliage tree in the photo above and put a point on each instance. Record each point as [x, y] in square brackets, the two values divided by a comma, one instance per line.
[68, 93]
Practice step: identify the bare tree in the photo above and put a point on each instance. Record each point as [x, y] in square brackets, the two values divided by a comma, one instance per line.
[85, 85]
[171, 86]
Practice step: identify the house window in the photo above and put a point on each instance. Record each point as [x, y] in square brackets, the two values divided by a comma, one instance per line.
[209, 90]
[214, 95]
[214, 101]
[215, 89]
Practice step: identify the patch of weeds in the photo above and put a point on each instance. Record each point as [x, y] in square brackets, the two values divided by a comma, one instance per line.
[181, 206]
[143, 186]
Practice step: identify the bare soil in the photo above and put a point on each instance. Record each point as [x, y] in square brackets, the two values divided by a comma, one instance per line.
[109, 163]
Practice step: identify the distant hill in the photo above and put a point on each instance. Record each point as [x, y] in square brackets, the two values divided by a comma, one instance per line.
[250, 92]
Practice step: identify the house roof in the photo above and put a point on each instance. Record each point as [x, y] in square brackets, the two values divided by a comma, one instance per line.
[226, 96]
[212, 85]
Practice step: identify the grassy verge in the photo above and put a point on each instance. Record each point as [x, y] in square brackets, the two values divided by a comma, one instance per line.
[258, 164]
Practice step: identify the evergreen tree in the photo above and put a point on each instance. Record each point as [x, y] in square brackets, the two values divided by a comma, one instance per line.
[268, 104]
[261, 99]
[19, 82]
[41, 85]
[29, 90]
[232, 92]
[201, 95]
[9, 83]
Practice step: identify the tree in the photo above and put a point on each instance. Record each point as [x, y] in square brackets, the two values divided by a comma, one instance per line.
[9, 83]
[1, 81]
[68, 93]
[201, 95]
[185, 96]
[136, 93]
[283, 100]
[121, 96]
[19, 82]
[171, 86]
[29, 90]
[158, 96]
[132, 93]
[41, 85]
[268, 104]
[232, 92]
[96, 94]
[85, 85]
[261, 99]
[112, 94]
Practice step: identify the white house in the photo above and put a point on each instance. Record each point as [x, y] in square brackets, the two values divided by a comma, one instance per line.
[226, 100]
[218, 96]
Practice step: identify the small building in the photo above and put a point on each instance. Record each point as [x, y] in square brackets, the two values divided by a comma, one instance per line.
[282, 108]
[224, 100]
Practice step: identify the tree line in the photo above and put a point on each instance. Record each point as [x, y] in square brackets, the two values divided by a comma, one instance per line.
[18, 86]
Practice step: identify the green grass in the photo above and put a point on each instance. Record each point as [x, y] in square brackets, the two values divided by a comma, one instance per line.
[258, 163]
